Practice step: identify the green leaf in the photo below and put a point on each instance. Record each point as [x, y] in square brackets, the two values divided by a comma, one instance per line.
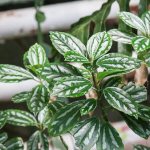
[65, 119]
[3, 119]
[15, 144]
[146, 19]
[11, 73]
[38, 141]
[120, 100]
[35, 56]
[38, 99]
[55, 71]
[133, 21]
[86, 133]
[90, 105]
[73, 56]
[65, 42]
[73, 86]
[147, 59]
[21, 97]
[109, 138]
[98, 45]
[3, 137]
[141, 147]
[120, 36]
[141, 43]
[144, 112]
[2, 147]
[137, 92]
[118, 62]
[20, 118]
[96, 21]
[139, 126]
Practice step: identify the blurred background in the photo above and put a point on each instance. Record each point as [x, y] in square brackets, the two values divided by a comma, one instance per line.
[21, 26]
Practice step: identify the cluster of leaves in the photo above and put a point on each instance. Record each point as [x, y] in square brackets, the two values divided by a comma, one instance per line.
[55, 80]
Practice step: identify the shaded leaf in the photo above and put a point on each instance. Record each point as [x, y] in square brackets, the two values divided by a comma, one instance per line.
[120, 100]
[11, 73]
[141, 147]
[147, 59]
[2, 147]
[144, 112]
[3, 137]
[137, 92]
[146, 19]
[3, 119]
[73, 86]
[86, 133]
[109, 138]
[20, 118]
[98, 45]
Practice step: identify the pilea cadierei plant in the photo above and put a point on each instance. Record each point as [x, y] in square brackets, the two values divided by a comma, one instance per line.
[93, 81]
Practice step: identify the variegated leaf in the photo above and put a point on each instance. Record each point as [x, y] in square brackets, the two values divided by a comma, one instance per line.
[35, 56]
[141, 43]
[139, 126]
[73, 56]
[147, 59]
[146, 19]
[144, 112]
[73, 86]
[65, 119]
[90, 105]
[3, 137]
[2, 147]
[120, 100]
[21, 97]
[86, 133]
[14, 144]
[133, 21]
[54, 71]
[141, 147]
[11, 73]
[20, 118]
[118, 62]
[109, 138]
[38, 141]
[137, 92]
[98, 45]
[3, 119]
[120, 36]
[65, 42]
[38, 99]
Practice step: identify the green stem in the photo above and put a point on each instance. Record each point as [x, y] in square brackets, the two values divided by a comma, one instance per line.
[65, 145]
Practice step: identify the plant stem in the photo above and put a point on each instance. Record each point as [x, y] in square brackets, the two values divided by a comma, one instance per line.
[65, 145]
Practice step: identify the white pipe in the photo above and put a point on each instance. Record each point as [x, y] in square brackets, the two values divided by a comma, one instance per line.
[21, 22]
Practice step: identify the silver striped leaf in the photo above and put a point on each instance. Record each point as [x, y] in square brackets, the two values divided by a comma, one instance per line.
[109, 138]
[73, 56]
[38, 141]
[139, 126]
[137, 92]
[89, 106]
[3, 137]
[147, 59]
[37, 99]
[98, 45]
[21, 97]
[141, 43]
[54, 71]
[141, 147]
[3, 119]
[120, 36]
[73, 86]
[144, 112]
[117, 61]
[11, 73]
[86, 133]
[2, 147]
[65, 42]
[133, 21]
[14, 144]
[65, 119]
[121, 100]
[35, 56]
[146, 19]
[20, 118]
